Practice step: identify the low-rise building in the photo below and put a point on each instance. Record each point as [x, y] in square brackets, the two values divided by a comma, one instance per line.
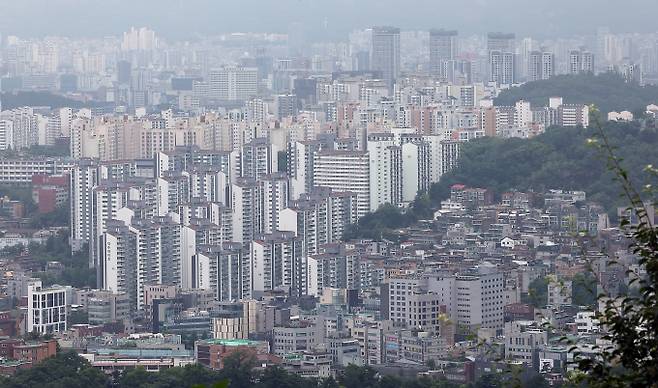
[46, 309]
[211, 353]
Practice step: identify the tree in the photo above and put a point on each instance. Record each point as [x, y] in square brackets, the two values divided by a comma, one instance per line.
[421, 207]
[489, 380]
[359, 377]
[78, 316]
[136, 377]
[537, 293]
[238, 369]
[609, 91]
[380, 223]
[558, 158]
[66, 369]
[329, 382]
[584, 289]
[536, 381]
[630, 322]
[277, 377]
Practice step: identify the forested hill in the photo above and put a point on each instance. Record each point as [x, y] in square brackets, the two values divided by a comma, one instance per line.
[55, 101]
[608, 91]
[557, 159]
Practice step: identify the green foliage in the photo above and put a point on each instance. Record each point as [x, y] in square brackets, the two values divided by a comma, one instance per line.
[78, 317]
[238, 369]
[359, 377]
[490, 380]
[537, 293]
[65, 370]
[19, 193]
[70, 370]
[187, 376]
[607, 91]
[379, 224]
[584, 290]
[558, 159]
[630, 322]
[277, 377]
[421, 207]
[384, 221]
[59, 217]
[537, 381]
[76, 267]
[20, 99]
[49, 150]
[58, 150]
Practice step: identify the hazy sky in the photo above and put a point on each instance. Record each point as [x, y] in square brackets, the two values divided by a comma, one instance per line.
[185, 18]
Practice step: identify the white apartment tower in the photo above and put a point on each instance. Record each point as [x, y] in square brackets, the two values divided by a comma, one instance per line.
[46, 310]
[275, 198]
[233, 83]
[247, 205]
[278, 262]
[319, 218]
[6, 135]
[301, 156]
[541, 65]
[345, 171]
[257, 159]
[500, 49]
[385, 158]
[224, 270]
[25, 131]
[415, 167]
[139, 253]
[84, 178]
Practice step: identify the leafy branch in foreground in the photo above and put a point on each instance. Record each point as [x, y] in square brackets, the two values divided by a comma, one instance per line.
[628, 354]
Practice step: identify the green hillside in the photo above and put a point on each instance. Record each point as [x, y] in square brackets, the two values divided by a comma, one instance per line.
[19, 99]
[557, 159]
[608, 91]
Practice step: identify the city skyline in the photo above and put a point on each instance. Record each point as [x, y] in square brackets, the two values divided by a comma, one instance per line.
[306, 193]
[320, 20]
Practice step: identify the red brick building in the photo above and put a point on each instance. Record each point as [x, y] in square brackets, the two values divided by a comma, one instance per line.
[8, 324]
[50, 191]
[34, 352]
[212, 353]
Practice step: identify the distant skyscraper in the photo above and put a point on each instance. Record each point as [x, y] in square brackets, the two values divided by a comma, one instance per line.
[386, 53]
[501, 67]
[540, 65]
[575, 61]
[581, 62]
[361, 61]
[233, 83]
[547, 65]
[500, 50]
[498, 41]
[296, 39]
[286, 105]
[588, 62]
[443, 47]
[124, 71]
[139, 39]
